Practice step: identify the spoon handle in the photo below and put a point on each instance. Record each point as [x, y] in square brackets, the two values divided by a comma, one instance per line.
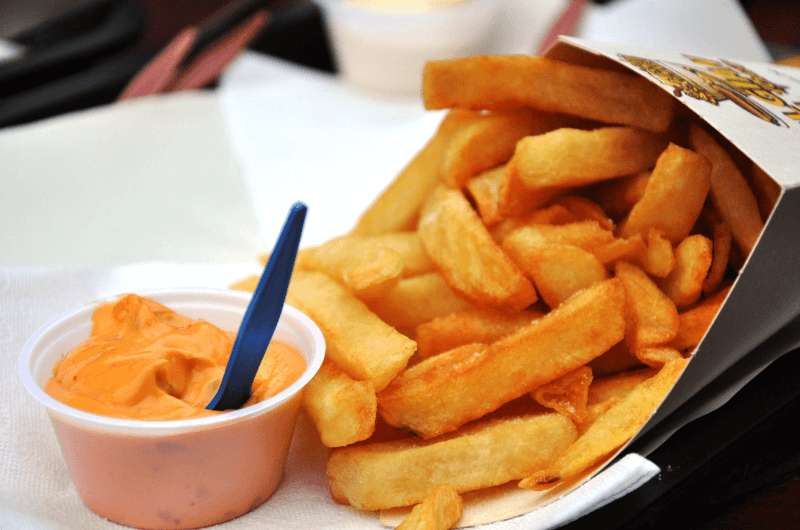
[261, 317]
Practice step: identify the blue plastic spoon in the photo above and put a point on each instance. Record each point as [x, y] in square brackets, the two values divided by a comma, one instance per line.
[261, 317]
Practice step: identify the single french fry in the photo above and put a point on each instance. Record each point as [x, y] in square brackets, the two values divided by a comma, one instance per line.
[467, 256]
[400, 473]
[416, 300]
[674, 196]
[626, 249]
[617, 359]
[567, 395]
[364, 265]
[652, 316]
[585, 210]
[722, 253]
[494, 82]
[552, 215]
[415, 260]
[657, 356]
[615, 387]
[658, 258]
[730, 193]
[484, 142]
[515, 199]
[587, 235]
[482, 325]
[611, 430]
[695, 322]
[573, 157]
[397, 207]
[767, 191]
[342, 409]
[440, 510]
[441, 393]
[359, 342]
[557, 270]
[692, 263]
[617, 197]
[485, 191]
[246, 284]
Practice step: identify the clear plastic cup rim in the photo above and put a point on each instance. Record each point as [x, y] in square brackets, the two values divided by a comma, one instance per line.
[25, 368]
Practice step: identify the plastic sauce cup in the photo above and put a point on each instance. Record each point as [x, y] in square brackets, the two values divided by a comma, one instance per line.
[386, 51]
[178, 473]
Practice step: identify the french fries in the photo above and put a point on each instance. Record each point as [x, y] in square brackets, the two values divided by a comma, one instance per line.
[484, 142]
[612, 429]
[658, 258]
[440, 394]
[573, 157]
[480, 325]
[584, 209]
[767, 191]
[368, 268]
[401, 473]
[618, 196]
[679, 184]
[617, 359]
[416, 300]
[657, 356]
[587, 235]
[409, 247]
[359, 342]
[695, 322]
[730, 193]
[485, 191]
[722, 253]
[652, 316]
[493, 82]
[568, 395]
[625, 249]
[342, 409]
[515, 199]
[440, 510]
[558, 270]
[397, 207]
[692, 263]
[468, 258]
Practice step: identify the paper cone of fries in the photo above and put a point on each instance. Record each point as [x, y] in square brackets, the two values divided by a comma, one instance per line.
[587, 241]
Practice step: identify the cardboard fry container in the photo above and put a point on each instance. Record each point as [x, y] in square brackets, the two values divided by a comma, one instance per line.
[756, 107]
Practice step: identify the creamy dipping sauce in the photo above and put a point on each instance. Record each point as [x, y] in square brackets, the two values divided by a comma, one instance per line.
[144, 361]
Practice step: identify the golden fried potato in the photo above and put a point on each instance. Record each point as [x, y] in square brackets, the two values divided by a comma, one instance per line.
[652, 316]
[557, 270]
[658, 258]
[359, 342]
[767, 191]
[400, 473]
[692, 263]
[416, 300]
[484, 142]
[611, 430]
[573, 157]
[415, 260]
[730, 193]
[467, 256]
[674, 197]
[617, 359]
[584, 209]
[441, 393]
[587, 235]
[440, 510]
[722, 253]
[470, 325]
[617, 197]
[621, 249]
[567, 395]
[695, 322]
[365, 266]
[342, 409]
[485, 191]
[397, 207]
[248, 284]
[552, 215]
[616, 387]
[657, 356]
[509, 82]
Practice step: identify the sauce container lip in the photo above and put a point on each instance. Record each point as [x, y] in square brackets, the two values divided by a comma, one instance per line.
[314, 362]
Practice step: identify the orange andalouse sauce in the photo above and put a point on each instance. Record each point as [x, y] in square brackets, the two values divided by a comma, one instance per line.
[144, 361]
